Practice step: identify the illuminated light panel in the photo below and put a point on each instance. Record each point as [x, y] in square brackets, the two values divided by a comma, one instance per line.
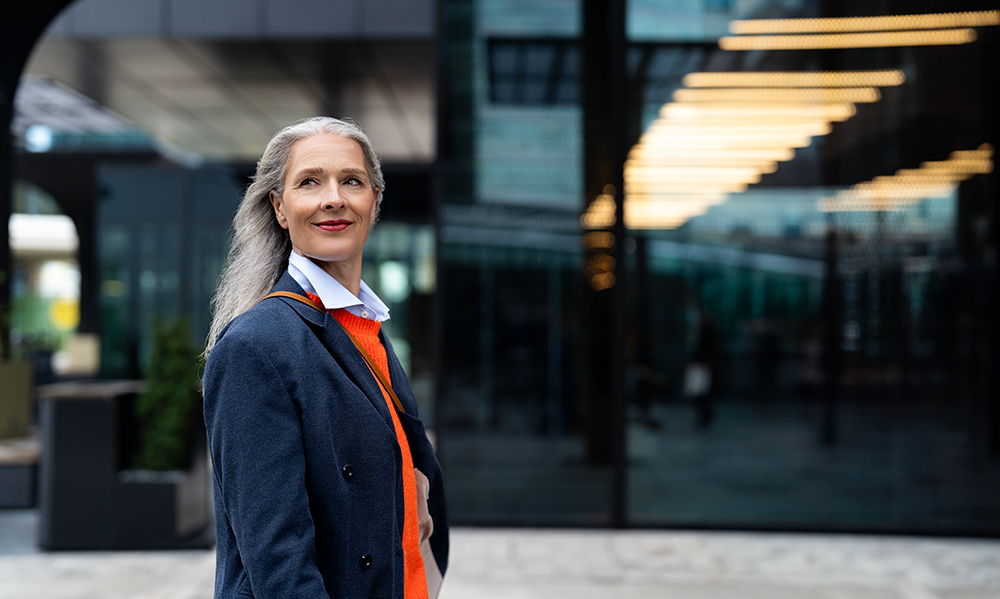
[887, 23]
[698, 187]
[902, 189]
[646, 153]
[710, 199]
[975, 167]
[816, 95]
[637, 223]
[638, 209]
[859, 204]
[888, 39]
[663, 214]
[788, 79]
[834, 111]
[763, 167]
[727, 130]
[907, 186]
[672, 174]
[978, 161]
[743, 123]
[810, 128]
[984, 151]
[730, 141]
[929, 175]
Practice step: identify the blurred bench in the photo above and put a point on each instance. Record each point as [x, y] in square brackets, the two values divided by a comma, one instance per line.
[18, 472]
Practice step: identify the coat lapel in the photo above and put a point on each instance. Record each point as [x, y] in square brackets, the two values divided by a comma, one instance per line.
[354, 365]
[331, 334]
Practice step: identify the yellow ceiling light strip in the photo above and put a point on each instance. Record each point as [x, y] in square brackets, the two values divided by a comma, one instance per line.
[696, 187]
[681, 156]
[723, 141]
[671, 175]
[906, 186]
[857, 203]
[743, 129]
[902, 189]
[819, 95]
[678, 199]
[725, 130]
[886, 39]
[667, 213]
[785, 79]
[710, 162]
[745, 111]
[887, 23]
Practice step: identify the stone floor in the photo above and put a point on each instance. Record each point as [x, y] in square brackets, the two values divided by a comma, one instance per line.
[759, 465]
[576, 564]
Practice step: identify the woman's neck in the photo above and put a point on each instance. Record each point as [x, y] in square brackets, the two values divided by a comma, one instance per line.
[346, 272]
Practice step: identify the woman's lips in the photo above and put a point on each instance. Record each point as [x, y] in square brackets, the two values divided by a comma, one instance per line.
[334, 225]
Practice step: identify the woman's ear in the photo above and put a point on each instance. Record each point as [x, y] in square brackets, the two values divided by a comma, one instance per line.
[378, 194]
[276, 204]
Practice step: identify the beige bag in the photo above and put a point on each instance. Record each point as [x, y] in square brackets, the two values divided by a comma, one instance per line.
[426, 525]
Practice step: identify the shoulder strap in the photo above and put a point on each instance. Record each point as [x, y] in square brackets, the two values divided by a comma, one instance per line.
[364, 354]
[295, 296]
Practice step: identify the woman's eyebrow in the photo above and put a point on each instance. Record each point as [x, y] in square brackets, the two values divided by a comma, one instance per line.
[312, 171]
[307, 172]
[356, 172]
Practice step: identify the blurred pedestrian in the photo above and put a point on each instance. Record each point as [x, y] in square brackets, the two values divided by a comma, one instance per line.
[325, 482]
[699, 386]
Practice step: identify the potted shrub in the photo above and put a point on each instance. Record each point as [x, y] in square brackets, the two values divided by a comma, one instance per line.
[164, 495]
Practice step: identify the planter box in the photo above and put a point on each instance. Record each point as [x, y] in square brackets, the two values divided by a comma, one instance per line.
[166, 510]
[87, 501]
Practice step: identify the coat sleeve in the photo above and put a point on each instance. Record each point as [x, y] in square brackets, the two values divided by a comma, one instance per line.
[256, 442]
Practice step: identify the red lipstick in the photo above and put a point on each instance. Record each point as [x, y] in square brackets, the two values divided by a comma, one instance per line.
[334, 225]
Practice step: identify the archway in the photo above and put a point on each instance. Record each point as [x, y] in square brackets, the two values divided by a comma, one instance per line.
[21, 25]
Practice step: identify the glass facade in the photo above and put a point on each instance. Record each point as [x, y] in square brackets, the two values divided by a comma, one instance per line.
[810, 337]
[163, 235]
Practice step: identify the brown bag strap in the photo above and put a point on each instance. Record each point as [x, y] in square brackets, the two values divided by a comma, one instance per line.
[295, 296]
[382, 379]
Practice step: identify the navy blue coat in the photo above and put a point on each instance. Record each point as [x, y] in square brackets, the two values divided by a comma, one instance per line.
[307, 468]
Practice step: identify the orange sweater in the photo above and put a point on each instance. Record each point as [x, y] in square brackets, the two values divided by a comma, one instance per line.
[366, 332]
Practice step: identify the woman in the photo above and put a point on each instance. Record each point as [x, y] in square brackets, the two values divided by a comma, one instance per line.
[325, 482]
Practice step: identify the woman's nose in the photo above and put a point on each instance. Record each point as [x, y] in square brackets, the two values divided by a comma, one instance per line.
[332, 199]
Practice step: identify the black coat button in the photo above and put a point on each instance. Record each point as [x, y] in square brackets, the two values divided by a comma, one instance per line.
[366, 561]
[347, 471]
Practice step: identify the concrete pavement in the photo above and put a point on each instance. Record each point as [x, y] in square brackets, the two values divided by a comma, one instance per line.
[575, 564]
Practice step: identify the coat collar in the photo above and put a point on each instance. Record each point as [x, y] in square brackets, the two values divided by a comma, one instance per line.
[333, 337]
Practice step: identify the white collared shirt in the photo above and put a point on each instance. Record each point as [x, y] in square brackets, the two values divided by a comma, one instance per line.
[317, 281]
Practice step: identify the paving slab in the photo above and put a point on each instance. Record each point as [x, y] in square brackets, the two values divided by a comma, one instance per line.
[490, 563]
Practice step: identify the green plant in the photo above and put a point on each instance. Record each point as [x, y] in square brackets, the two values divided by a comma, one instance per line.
[167, 408]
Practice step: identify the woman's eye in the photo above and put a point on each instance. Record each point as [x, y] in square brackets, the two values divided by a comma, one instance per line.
[353, 181]
[307, 182]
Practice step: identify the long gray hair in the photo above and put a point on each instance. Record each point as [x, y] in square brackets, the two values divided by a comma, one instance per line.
[260, 248]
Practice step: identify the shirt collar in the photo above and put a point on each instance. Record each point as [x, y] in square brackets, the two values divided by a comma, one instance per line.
[315, 280]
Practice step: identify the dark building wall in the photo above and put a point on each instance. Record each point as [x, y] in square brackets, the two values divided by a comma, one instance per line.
[850, 352]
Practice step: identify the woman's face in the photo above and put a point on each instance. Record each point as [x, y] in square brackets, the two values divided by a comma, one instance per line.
[328, 204]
